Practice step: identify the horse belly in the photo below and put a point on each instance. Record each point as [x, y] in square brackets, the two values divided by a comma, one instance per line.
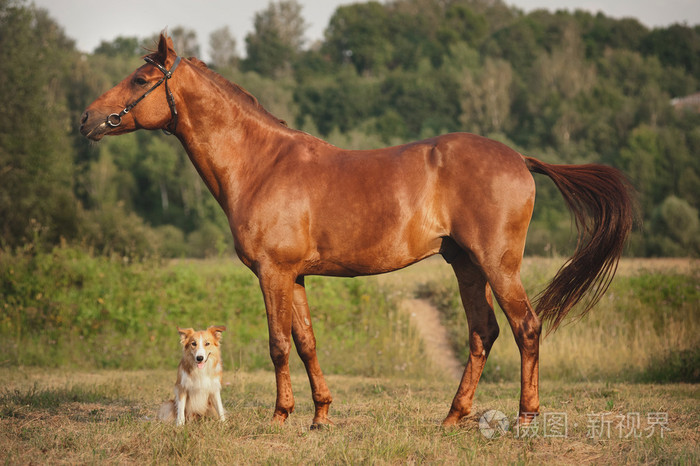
[361, 245]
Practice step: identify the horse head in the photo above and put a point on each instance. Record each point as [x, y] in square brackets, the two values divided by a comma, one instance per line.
[140, 101]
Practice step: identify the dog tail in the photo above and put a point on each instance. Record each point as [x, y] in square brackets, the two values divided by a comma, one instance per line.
[166, 413]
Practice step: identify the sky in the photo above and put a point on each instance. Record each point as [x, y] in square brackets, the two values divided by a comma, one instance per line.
[89, 22]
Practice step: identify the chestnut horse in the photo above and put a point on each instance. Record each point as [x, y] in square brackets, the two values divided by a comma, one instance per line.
[300, 206]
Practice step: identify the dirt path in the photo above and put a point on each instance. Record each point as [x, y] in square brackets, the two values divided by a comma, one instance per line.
[426, 320]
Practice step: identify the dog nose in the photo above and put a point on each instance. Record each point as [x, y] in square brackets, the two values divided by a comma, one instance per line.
[200, 358]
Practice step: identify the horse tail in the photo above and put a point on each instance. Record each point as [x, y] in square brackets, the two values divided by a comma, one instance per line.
[602, 202]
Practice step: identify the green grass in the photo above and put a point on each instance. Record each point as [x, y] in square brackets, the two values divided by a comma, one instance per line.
[70, 309]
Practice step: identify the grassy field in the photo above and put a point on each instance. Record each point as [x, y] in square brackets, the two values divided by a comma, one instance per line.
[106, 416]
[89, 351]
[645, 329]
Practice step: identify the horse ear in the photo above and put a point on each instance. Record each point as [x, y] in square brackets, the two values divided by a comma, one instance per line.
[166, 50]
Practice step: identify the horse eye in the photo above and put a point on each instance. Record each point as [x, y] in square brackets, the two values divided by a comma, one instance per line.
[140, 81]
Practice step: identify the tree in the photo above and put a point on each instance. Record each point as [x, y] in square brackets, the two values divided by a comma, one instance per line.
[222, 48]
[126, 46]
[516, 43]
[554, 81]
[675, 228]
[359, 34]
[334, 104]
[567, 88]
[468, 26]
[277, 39]
[677, 45]
[486, 97]
[600, 32]
[185, 41]
[35, 148]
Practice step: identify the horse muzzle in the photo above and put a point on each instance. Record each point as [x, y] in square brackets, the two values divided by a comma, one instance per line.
[94, 127]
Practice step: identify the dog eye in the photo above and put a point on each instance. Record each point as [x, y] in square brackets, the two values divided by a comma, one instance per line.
[207, 344]
[194, 343]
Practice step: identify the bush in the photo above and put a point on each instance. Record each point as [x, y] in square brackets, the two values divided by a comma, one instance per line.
[209, 241]
[675, 229]
[69, 308]
[675, 366]
[171, 241]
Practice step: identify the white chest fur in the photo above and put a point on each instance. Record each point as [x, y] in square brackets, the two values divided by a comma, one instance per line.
[199, 386]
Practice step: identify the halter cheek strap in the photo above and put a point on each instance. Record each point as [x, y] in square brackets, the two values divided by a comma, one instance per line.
[115, 119]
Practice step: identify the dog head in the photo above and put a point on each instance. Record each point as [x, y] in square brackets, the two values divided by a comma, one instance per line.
[199, 345]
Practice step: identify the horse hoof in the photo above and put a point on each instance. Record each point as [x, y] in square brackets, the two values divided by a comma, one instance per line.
[452, 420]
[525, 419]
[278, 421]
[325, 425]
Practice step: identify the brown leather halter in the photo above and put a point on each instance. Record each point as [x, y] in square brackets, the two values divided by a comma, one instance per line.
[115, 119]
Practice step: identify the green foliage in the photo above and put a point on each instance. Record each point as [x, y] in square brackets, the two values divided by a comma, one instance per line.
[59, 302]
[675, 228]
[564, 87]
[222, 48]
[358, 34]
[277, 39]
[673, 367]
[126, 46]
[35, 151]
[69, 308]
[675, 46]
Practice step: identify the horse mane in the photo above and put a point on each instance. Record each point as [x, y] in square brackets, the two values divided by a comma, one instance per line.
[221, 81]
[233, 87]
[159, 55]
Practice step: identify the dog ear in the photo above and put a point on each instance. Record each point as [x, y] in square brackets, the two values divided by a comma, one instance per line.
[184, 334]
[216, 331]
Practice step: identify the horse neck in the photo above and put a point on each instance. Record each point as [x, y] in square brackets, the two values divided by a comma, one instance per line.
[227, 135]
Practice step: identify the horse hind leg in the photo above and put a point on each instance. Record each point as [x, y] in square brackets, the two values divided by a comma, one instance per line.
[483, 331]
[526, 327]
[305, 342]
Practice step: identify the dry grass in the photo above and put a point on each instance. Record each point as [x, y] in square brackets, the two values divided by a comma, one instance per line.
[624, 336]
[58, 417]
[435, 268]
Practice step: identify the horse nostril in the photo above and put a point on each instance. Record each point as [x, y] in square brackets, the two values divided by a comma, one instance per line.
[84, 118]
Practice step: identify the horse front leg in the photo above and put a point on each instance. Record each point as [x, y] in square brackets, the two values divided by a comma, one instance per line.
[278, 292]
[305, 342]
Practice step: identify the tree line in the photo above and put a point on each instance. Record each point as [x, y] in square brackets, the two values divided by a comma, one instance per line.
[566, 87]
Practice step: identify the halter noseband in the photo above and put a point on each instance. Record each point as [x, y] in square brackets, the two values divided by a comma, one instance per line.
[115, 119]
